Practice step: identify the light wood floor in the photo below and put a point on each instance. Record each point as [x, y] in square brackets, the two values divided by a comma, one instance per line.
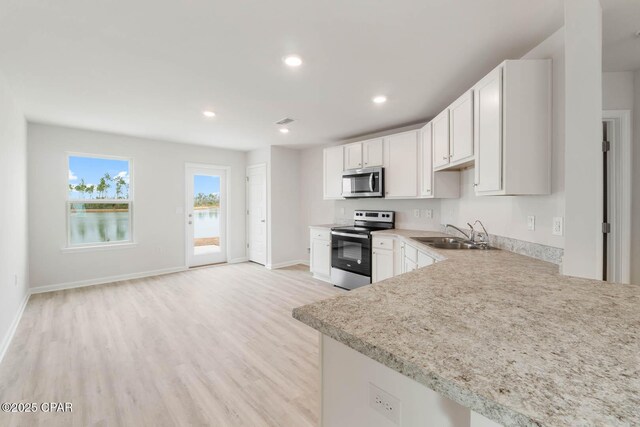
[213, 346]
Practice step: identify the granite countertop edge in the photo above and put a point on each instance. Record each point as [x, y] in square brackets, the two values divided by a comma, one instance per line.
[465, 397]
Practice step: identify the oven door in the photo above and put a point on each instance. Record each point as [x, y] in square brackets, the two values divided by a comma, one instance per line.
[351, 252]
[362, 183]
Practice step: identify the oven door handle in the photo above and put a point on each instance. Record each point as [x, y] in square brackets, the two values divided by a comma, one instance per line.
[357, 236]
[371, 181]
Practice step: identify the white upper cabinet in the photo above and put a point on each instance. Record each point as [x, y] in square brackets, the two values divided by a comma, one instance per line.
[353, 156]
[512, 129]
[333, 168]
[365, 154]
[441, 139]
[435, 184]
[372, 153]
[401, 165]
[461, 130]
[426, 161]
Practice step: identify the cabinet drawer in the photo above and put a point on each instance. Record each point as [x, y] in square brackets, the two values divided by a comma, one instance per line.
[411, 253]
[383, 242]
[319, 233]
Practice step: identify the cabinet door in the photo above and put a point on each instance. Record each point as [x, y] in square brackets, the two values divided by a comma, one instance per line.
[353, 156]
[488, 132]
[321, 257]
[426, 161]
[333, 167]
[461, 128]
[401, 163]
[441, 139]
[372, 153]
[409, 265]
[382, 265]
[424, 260]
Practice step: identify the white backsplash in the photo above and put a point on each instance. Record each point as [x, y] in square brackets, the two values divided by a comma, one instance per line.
[404, 210]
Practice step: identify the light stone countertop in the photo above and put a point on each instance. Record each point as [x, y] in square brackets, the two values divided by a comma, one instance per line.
[329, 226]
[502, 334]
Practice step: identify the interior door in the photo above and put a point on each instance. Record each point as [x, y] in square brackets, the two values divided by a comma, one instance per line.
[206, 215]
[257, 213]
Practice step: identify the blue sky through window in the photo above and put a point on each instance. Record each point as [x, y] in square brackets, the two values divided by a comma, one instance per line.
[206, 184]
[91, 170]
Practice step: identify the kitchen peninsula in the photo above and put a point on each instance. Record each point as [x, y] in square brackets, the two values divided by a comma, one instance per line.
[502, 339]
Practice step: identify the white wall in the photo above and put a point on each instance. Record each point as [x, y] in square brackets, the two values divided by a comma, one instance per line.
[635, 187]
[13, 214]
[507, 216]
[286, 236]
[583, 139]
[159, 192]
[617, 90]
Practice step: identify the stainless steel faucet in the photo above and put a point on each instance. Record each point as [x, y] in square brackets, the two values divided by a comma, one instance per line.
[484, 240]
[456, 228]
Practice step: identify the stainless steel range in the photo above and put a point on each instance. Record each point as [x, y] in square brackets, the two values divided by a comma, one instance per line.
[351, 248]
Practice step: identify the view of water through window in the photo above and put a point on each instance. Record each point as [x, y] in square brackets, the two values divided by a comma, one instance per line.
[206, 213]
[99, 208]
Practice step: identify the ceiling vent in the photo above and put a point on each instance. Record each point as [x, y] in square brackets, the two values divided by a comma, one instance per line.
[284, 121]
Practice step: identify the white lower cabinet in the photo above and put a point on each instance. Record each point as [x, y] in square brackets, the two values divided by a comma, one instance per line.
[410, 258]
[382, 265]
[320, 259]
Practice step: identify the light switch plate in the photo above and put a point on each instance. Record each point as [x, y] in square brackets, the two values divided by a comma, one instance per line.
[531, 223]
[557, 229]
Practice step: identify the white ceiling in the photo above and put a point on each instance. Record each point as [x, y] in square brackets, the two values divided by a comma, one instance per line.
[620, 45]
[148, 67]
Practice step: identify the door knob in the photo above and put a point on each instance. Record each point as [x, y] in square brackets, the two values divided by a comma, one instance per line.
[445, 158]
[262, 220]
[189, 222]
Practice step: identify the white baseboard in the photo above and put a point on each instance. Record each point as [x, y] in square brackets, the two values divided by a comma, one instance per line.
[12, 329]
[103, 280]
[238, 260]
[286, 264]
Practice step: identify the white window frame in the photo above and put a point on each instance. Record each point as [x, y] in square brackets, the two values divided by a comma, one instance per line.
[130, 201]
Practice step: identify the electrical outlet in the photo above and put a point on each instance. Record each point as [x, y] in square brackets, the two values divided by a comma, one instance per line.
[428, 213]
[385, 404]
[531, 223]
[308, 250]
[558, 226]
[416, 213]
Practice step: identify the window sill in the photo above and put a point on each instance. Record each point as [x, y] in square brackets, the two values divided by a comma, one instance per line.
[95, 248]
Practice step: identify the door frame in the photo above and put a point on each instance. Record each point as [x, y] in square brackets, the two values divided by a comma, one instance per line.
[225, 208]
[266, 214]
[620, 209]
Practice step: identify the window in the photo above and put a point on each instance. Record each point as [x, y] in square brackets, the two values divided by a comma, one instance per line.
[99, 203]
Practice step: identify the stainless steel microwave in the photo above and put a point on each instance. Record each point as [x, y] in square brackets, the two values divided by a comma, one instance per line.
[368, 182]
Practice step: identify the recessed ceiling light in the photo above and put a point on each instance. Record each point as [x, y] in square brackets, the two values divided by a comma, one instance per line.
[284, 130]
[208, 113]
[293, 61]
[380, 99]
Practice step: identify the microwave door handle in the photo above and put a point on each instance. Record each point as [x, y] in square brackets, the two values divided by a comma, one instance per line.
[371, 181]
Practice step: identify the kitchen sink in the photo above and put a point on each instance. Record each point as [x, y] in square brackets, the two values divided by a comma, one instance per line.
[449, 243]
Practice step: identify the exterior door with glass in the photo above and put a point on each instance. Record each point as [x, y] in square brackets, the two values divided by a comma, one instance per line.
[206, 215]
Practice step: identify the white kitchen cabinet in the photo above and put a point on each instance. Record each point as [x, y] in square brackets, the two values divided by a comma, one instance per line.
[424, 260]
[382, 265]
[372, 153]
[333, 165]
[435, 184]
[353, 156]
[401, 165]
[512, 128]
[461, 131]
[441, 139]
[320, 259]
